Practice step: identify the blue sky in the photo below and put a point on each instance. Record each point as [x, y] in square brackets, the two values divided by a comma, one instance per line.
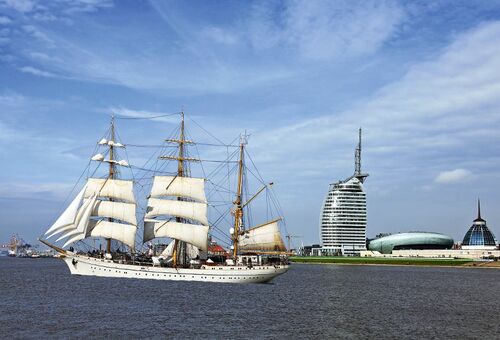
[421, 78]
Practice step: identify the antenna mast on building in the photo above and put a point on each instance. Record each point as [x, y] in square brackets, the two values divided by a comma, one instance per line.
[357, 165]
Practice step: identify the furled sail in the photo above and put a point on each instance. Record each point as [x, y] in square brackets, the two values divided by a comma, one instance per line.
[110, 188]
[188, 187]
[68, 217]
[265, 237]
[196, 235]
[188, 210]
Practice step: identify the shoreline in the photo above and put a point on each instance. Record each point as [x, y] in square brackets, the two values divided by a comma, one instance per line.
[421, 262]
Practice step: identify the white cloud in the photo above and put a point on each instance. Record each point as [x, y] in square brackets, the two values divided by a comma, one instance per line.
[4, 20]
[54, 190]
[36, 72]
[325, 29]
[23, 6]
[418, 121]
[219, 35]
[453, 176]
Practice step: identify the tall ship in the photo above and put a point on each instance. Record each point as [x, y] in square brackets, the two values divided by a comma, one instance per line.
[116, 227]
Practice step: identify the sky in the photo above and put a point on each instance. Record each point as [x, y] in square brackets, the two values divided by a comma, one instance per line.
[422, 78]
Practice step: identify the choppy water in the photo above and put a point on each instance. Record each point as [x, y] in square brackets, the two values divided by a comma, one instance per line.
[39, 298]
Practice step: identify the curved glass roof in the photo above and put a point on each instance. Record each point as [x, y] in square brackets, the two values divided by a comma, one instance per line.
[479, 234]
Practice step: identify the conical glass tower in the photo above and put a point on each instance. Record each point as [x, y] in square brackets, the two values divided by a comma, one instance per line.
[479, 236]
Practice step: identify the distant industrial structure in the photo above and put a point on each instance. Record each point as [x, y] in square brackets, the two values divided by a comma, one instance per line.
[343, 217]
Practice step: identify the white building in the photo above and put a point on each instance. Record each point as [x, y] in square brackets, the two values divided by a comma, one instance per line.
[343, 217]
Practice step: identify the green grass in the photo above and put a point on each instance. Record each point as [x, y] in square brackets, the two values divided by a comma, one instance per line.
[380, 260]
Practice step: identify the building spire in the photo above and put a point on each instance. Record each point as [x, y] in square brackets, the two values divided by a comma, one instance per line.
[357, 160]
[478, 211]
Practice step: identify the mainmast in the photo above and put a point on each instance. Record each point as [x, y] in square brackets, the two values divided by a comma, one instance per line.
[181, 172]
[238, 213]
[112, 170]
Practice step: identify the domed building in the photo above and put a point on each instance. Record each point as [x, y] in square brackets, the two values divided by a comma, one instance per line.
[479, 236]
[411, 241]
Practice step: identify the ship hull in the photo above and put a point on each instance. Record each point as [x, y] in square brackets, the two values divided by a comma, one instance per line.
[84, 265]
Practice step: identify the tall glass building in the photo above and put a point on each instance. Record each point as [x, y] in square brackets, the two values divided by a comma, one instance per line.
[479, 236]
[343, 217]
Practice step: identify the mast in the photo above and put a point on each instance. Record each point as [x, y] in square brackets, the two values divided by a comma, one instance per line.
[238, 213]
[180, 173]
[112, 171]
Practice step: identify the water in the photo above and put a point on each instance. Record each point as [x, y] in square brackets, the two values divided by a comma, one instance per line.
[39, 298]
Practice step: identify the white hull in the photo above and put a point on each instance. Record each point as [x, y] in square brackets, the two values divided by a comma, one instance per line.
[84, 265]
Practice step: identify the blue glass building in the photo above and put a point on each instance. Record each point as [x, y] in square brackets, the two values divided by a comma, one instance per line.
[479, 236]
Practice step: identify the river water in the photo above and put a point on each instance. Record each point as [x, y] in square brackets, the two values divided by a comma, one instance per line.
[39, 298]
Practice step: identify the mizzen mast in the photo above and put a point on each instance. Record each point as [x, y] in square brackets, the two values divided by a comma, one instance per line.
[238, 211]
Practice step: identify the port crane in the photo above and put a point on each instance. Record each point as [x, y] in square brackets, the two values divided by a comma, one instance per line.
[289, 238]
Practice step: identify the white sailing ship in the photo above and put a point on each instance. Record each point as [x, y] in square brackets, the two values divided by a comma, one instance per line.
[106, 209]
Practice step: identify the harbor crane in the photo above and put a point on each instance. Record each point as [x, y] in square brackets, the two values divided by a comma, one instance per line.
[289, 238]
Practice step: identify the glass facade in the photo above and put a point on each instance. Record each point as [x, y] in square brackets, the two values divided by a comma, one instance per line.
[411, 240]
[343, 219]
[479, 235]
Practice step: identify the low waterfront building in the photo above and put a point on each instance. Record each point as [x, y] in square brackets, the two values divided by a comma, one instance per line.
[343, 217]
[313, 250]
[410, 241]
[479, 236]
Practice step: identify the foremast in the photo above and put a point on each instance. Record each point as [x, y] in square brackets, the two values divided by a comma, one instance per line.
[104, 208]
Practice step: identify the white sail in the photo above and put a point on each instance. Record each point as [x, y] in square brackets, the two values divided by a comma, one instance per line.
[69, 215]
[81, 212]
[196, 235]
[124, 233]
[265, 237]
[192, 251]
[82, 226]
[111, 188]
[117, 210]
[60, 230]
[189, 210]
[169, 250]
[179, 186]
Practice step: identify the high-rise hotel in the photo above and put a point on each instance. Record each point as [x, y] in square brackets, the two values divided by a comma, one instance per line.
[343, 218]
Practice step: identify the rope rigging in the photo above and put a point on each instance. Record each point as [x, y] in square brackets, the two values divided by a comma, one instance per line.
[219, 174]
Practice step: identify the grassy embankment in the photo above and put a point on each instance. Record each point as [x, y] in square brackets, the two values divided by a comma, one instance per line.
[380, 260]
